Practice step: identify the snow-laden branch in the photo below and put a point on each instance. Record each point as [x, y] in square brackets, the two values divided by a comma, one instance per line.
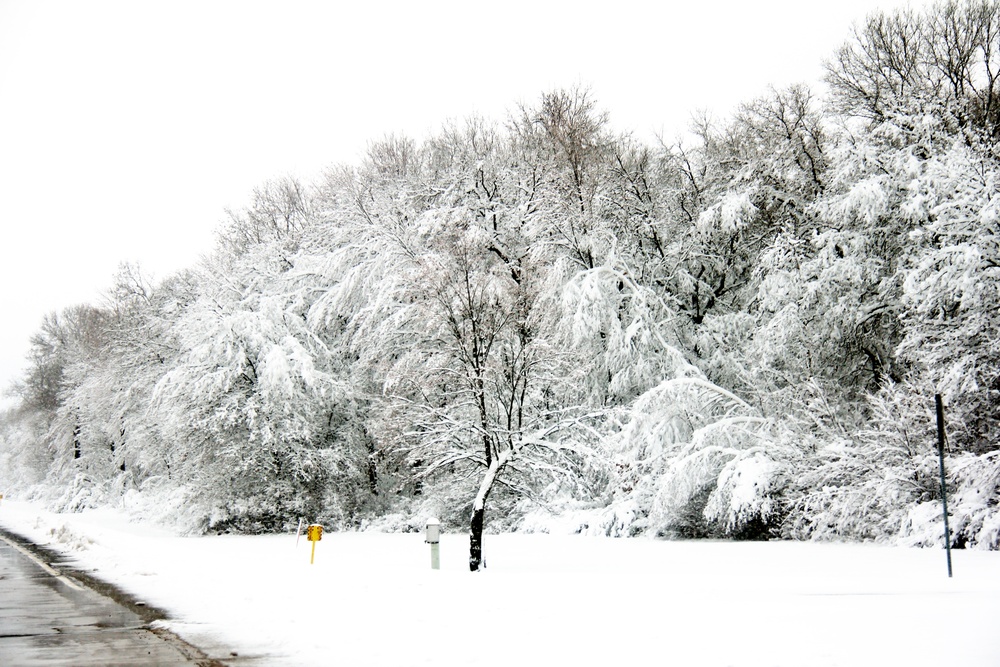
[706, 386]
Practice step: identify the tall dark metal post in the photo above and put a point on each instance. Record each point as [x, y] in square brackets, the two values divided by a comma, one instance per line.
[944, 490]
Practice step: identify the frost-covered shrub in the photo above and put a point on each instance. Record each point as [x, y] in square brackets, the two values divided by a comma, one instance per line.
[695, 461]
[858, 493]
[746, 501]
[276, 505]
[623, 518]
[975, 504]
[726, 482]
[439, 496]
[397, 522]
[80, 493]
[973, 507]
[860, 483]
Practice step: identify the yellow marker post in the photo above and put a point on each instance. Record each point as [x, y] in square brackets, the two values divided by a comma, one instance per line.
[314, 533]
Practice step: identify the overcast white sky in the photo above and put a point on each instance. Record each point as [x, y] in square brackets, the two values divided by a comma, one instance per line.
[126, 128]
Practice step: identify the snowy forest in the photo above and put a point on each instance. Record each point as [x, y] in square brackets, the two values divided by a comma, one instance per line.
[536, 323]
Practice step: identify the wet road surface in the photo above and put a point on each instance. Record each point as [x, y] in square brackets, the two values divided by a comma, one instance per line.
[48, 618]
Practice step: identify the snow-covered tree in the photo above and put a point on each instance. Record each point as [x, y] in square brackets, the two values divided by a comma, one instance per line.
[951, 289]
[253, 405]
[445, 288]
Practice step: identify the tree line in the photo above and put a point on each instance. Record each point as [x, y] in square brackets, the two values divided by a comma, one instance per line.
[737, 335]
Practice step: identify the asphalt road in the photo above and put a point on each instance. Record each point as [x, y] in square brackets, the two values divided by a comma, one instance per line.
[50, 618]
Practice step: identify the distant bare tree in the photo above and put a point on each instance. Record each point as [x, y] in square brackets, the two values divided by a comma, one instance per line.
[280, 209]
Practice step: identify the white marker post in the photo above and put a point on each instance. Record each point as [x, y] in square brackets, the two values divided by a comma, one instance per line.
[434, 538]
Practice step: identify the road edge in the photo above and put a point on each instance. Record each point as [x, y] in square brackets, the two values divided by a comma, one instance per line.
[45, 557]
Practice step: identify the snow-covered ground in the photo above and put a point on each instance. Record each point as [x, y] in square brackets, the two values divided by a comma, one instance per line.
[372, 599]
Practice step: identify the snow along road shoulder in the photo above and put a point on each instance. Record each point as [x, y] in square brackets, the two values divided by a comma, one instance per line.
[47, 618]
[372, 599]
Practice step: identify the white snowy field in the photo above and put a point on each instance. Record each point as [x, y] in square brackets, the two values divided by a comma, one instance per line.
[372, 599]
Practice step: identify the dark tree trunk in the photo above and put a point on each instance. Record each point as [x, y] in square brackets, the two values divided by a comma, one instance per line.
[372, 461]
[121, 433]
[476, 540]
[476, 561]
[418, 484]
